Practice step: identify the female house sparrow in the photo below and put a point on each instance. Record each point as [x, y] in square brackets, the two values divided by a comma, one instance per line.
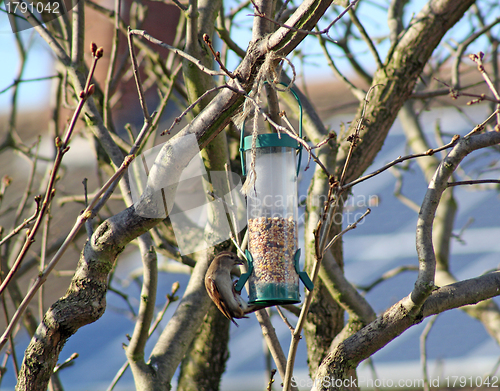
[220, 287]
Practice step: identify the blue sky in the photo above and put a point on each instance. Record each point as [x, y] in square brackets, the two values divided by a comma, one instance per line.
[38, 65]
[36, 94]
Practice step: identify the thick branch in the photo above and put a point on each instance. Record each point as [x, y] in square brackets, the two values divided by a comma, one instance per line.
[85, 300]
[399, 318]
[426, 256]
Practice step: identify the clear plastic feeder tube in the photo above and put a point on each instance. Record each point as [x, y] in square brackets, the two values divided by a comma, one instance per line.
[272, 213]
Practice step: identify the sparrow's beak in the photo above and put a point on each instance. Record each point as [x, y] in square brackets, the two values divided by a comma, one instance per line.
[239, 262]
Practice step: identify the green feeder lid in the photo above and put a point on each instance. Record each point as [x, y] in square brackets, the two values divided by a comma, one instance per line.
[271, 140]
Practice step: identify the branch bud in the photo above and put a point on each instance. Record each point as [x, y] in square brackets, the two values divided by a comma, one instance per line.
[473, 57]
[6, 180]
[99, 52]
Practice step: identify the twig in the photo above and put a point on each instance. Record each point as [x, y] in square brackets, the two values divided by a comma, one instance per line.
[285, 319]
[11, 338]
[89, 212]
[147, 307]
[124, 296]
[399, 195]
[31, 177]
[389, 274]
[357, 92]
[272, 341]
[190, 107]
[478, 59]
[459, 52]
[324, 31]
[423, 351]
[271, 380]
[4, 184]
[67, 363]
[281, 10]
[366, 38]
[163, 104]
[137, 77]
[18, 81]
[62, 147]
[455, 93]
[88, 223]
[306, 146]
[112, 65]
[216, 55]
[43, 258]
[473, 182]
[292, 309]
[331, 135]
[349, 228]
[116, 178]
[16, 230]
[451, 91]
[355, 136]
[181, 6]
[42, 277]
[170, 299]
[238, 8]
[224, 35]
[430, 152]
[188, 57]
[81, 198]
[305, 309]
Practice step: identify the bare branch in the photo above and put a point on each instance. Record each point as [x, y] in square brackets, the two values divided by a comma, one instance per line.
[473, 182]
[170, 299]
[188, 57]
[423, 351]
[462, 47]
[478, 59]
[427, 258]
[387, 275]
[291, 28]
[25, 223]
[430, 152]
[62, 147]
[216, 55]
[42, 277]
[190, 107]
[347, 229]
[366, 38]
[353, 139]
[137, 78]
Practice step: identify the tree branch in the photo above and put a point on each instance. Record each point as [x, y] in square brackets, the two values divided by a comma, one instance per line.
[426, 299]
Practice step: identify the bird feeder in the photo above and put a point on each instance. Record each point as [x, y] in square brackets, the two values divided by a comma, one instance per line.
[272, 217]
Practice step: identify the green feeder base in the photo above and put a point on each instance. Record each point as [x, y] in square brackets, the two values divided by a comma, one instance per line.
[273, 294]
